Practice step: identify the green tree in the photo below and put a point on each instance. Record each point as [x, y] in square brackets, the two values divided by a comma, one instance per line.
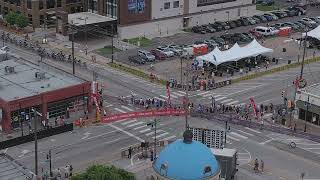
[21, 21]
[100, 172]
[11, 18]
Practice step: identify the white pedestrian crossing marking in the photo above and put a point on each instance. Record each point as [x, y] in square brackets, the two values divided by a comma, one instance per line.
[245, 132]
[233, 138]
[182, 92]
[151, 133]
[220, 98]
[217, 96]
[253, 130]
[232, 103]
[227, 100]
[206, 92]
[160, 98]
[135, 124]
[239, 135]
[140, 127]
[207, 95]
[161, 135]
[119, 110]
[168, 138]
[175, 93]
[125, 107]
[267, 115]
[129, 122]
[145, 130]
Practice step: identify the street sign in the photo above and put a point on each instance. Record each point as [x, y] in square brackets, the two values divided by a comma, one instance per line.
[210, 137]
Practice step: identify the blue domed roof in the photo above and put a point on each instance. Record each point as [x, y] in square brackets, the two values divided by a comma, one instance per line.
[186, 161]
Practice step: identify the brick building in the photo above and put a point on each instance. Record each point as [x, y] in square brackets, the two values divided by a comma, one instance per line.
[53, 93]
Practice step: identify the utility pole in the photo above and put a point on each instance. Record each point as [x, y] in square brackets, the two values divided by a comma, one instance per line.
[3, 34]
[181, 70]
[187, 96]
[35, 142]
[154, 125]
[304, 52]
[72, 40]
[50, 165]
[86, 34]
[112, 34]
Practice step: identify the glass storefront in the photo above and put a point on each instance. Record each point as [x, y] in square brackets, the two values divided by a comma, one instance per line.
[59, 108]
[22, 115]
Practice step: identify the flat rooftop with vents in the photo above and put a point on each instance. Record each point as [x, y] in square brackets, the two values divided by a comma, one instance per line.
[19, 79]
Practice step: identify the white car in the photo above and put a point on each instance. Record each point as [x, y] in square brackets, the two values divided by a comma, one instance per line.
[309, 21]
[166, 51]
[5, 48]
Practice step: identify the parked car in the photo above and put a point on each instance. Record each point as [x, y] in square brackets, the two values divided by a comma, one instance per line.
[209, 29]
[315, 19]
[177, 50]
[231, 24]
[301, 11]
[136, 59]
[251, 20]
[158, 54]
[290, 13]
[268, 2]
[278, 14]
[257, 20]
[227, 37]
[306, 25]
[244, 21]
[241, 38]
[274, 17]
[255, 34]
[5, 48]
[268, 17]
[261, 18]
[223, 24]
[266, 31]
[217, 27]
[278, 25]
[292, 25]
[308, 21]
[249, 35]
[237, 23]
[211, 43]
[166, 51]
[146, 55]
[198, 29]
[218, 40]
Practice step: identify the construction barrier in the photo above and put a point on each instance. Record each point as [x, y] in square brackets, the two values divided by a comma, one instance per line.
[149, 113]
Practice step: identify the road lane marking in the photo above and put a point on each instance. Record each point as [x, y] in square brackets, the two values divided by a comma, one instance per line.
[239, 135]
[227, 100]
[125, 107]
[178, 94]
[145, 130]
[119, 110]
[233, 138]
[207, 95]
[253, 130]
[109, 142]
[128, 122]
[86, 135]
[92, 137]
[245, 132]
[220, 98]
[206, 92]
[265, 142]
[135, 124]
[126, 132]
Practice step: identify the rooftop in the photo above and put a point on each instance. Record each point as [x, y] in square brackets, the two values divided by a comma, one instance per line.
[78, 19]
[313, 89]
[23, 83]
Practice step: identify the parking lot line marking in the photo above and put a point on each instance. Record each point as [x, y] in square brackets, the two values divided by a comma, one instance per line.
[161, 135]
[220, 98]
[145, 130]
[119, 110]
[253, 130]
[129, 122]
[233, 102]
[233, 138]
[245, 132]
[125, 107]
[140, 127]
[126, 132]
[135, 124]
[239, 135]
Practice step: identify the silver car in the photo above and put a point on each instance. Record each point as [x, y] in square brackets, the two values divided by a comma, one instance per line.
[146, 55]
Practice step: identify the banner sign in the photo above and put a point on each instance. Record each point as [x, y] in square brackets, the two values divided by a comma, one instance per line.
[150, 113]
[254, 106]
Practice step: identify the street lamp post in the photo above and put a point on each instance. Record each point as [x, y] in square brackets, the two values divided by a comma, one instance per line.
[86, 34]
[50, 164]
[35, 141]
[181, 70]
[154, 125]
[72, 48]
[304, 52]
[112, 34]
[305, 116]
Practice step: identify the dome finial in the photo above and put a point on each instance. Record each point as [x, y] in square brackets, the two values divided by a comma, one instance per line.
[187, 137]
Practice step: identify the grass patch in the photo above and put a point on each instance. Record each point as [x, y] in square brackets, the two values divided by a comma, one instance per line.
[261, 7]
[144, 42]
[107, 50]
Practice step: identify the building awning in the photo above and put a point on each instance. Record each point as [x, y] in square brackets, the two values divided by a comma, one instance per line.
[312, 107]
[87, 18]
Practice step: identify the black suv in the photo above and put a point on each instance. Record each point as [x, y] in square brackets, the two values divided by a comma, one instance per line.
[136, 59]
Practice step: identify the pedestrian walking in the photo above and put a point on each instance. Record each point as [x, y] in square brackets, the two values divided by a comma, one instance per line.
[262, 165]
[129, 153]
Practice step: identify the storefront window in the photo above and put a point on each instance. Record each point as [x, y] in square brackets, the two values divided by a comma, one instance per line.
[59, 108]
[22, 115]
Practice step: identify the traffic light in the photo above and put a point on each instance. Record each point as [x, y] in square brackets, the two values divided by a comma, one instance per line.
[283, 93]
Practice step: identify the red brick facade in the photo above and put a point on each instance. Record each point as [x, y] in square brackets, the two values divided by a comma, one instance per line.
[42, 100]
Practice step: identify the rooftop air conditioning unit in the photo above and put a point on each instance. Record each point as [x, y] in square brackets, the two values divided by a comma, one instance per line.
[40, 75]
[9, 69]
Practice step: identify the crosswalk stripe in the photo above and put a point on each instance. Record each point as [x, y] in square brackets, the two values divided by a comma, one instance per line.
[232, 103]
[139, 127]
[135, 124]
[159, 98]
[145, 130]
[206, 92]
[245, 132]
[239, 135]
[217, 95]
[177, 94]
[168, 138]
[125, 107]
[119, 110]
[151, 133]
[220, 98]
[233, 138]
[129, 122]
[227, 100]
[207, 95]
[253, 130]
[267, 115]
[161, 135]
[182, 92]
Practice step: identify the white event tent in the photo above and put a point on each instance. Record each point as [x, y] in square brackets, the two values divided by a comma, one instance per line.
[315, 33]
[235, 53]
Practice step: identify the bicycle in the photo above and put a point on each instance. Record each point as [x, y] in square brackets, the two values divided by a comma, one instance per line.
[292, 145]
